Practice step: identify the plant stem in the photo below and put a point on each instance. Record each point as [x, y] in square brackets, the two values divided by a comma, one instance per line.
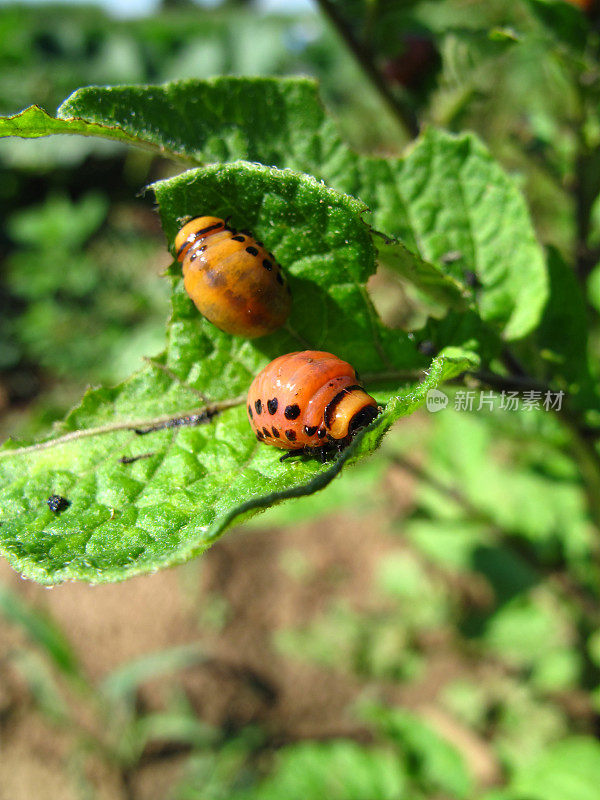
[365, 59]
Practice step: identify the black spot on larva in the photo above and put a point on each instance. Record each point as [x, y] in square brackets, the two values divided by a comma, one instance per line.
[57, 503]
[239, 238]
[267, 264]
[250, 411]
[275, 433]
[260, 244]
[258, 406]
[252, 250]
[321, 433]
[271, 256]
[272, 405]
[291, 435]
[259, 436]
[292, 412]
[310, 431]
[266, 433]
[279, 278]
[247, 232]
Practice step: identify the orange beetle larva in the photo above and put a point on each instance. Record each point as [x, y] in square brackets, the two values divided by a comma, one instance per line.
[308, 400]
[234, 282]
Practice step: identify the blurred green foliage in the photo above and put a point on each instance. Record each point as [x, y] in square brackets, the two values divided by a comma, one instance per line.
[78, 301]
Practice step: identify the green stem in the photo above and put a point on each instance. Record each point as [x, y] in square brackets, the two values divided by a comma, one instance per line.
[366, 61]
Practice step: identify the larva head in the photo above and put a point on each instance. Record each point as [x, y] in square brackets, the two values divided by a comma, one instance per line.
[354, 410]
[197, 228]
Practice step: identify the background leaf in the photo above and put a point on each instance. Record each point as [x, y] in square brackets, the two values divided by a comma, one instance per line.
[436, 763]
[340, 770]
[42, 631]
[569, 770]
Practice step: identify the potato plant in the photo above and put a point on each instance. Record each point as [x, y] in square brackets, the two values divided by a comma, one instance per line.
[434, 201]
[147, 489]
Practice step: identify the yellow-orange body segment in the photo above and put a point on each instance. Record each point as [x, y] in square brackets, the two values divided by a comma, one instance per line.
[231, 278]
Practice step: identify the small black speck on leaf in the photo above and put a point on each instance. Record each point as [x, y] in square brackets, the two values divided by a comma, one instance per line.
[57, 503]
